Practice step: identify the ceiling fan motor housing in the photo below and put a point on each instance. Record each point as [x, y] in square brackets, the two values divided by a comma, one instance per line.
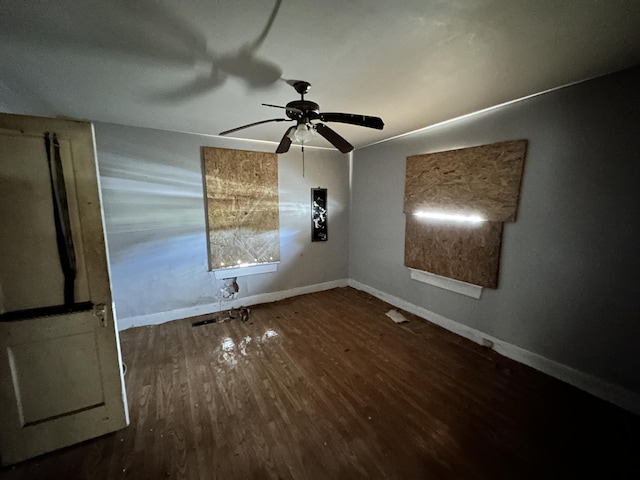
[309, 109]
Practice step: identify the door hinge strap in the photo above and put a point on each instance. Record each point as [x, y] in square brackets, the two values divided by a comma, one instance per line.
[64, 237]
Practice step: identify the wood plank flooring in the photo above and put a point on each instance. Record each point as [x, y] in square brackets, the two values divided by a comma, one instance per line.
[325, 386]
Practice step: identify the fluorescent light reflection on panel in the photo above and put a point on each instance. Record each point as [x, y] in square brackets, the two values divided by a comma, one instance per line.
[450, 217]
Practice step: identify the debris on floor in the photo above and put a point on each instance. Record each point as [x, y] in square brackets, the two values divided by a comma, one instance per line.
[203, 322]
[396, 316]
[242, 313]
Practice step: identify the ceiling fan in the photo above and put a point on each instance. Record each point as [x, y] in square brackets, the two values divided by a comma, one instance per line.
[304, 112]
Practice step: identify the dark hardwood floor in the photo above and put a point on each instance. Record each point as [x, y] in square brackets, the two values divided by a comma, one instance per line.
[325, 386]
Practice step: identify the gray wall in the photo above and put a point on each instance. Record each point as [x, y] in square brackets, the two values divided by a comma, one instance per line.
[569, 266]
[152, 191]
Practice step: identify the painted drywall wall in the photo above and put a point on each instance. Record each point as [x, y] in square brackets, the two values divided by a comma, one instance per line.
[153, 200]
[569, 264]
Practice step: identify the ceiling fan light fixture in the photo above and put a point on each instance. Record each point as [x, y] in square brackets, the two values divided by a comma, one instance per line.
[302, 133]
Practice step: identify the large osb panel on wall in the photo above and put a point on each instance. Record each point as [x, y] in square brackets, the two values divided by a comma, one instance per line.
[484, 180]
[469, 253]
[242, 207]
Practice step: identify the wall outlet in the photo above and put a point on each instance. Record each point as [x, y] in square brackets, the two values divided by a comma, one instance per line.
[487, 343]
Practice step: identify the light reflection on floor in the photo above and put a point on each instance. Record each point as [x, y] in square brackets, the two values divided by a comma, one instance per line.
[270, 333]
[229, 352]
[228, 345]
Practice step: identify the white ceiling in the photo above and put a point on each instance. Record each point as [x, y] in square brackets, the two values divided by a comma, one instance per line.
[205, 66]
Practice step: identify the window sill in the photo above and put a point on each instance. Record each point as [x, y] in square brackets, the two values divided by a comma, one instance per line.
[243, 271]
[463, 288]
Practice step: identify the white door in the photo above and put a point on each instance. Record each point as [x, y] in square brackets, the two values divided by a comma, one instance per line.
[61, 376]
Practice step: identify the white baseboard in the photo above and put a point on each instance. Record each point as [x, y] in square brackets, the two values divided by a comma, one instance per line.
[609, 392]
[162, 317]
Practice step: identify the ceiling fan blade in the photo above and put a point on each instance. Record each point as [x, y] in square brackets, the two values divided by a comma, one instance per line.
[226, 132]
[285, 143]
[280, 106]
[288, 109]
[353, 119]
[335, 139]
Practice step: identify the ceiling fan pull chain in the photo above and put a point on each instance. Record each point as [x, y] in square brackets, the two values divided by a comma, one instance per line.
[302, 159]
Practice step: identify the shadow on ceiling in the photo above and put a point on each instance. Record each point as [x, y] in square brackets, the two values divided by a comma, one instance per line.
[244, 64]
[144, 30]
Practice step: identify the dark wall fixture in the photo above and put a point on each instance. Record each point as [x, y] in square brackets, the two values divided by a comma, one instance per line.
[319, 215]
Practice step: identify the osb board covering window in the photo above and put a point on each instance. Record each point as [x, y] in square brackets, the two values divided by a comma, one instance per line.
[242, 207]
[483, 180]
[469, 253]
